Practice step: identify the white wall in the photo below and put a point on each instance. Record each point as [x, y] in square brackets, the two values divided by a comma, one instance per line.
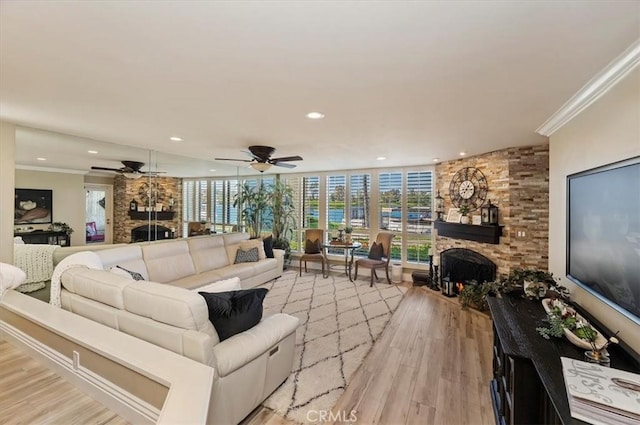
[68, 197]
[606, 132]
[7, 154]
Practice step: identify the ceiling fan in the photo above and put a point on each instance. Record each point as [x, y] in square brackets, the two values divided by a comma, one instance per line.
[131, 170]
[261, 158]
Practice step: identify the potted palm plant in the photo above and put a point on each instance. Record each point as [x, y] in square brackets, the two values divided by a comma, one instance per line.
[283, 212]
[254, 205]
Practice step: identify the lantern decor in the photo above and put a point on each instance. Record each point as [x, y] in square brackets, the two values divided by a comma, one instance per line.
[439, 207]
[133, 205]
[489, 214]
[448, 287]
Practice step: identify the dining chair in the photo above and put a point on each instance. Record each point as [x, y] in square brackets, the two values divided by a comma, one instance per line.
[379, 259]
[313, 250]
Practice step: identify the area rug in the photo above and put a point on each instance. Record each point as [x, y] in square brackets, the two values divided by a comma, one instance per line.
[339, 322]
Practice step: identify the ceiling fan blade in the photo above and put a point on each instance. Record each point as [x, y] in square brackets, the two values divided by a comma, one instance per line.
[106, 169]
[252, 155]
[286, 158]
[284, 164]
[233, 159]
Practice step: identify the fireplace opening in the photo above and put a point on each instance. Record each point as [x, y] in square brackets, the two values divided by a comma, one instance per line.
[157, 233]
[461, 265]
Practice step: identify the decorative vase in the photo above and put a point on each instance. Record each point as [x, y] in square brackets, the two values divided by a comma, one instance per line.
[464, 219]
[348, 238]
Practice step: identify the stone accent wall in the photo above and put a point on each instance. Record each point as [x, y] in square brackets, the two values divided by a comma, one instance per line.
[518, 180]
[162, 189]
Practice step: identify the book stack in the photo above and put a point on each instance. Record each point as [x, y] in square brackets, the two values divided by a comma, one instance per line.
[601, 395]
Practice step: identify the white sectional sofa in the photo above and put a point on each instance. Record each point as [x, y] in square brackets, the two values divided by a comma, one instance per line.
[165, 309]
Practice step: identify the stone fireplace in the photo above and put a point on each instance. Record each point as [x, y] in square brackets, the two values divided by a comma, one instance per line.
[146, 192]
[464, 265]
[153, 232]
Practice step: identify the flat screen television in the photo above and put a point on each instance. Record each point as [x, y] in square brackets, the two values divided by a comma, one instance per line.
[603, 234]
[33, 206]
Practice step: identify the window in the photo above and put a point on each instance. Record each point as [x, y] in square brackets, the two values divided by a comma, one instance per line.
[336, 193]
[390, 209]
[360, 210]
[418, 221]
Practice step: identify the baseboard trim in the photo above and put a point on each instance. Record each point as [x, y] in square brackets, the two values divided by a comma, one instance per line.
[113, 397]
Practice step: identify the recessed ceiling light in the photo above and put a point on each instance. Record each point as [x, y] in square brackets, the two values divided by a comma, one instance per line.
[381, 158]
[212, 170]
[463, 153]
[41, 159]
[315, 115]
[175, 139]
[436, 159]
[93, 152]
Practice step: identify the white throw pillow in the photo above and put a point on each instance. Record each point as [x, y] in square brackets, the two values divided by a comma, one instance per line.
[10, 277]
[120, 272]
[227, 285]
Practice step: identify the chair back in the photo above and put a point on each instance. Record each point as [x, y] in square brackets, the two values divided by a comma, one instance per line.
[312, 235]
[384, 239]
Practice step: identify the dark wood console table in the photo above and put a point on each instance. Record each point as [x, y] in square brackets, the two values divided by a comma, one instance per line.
[45, 237]
[528, 386]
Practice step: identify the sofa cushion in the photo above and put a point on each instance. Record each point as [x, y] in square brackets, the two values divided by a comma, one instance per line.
[97, 285]
[168, 261]
[168, 304]
[241, 349]
[129, 257]
[248, 256]
[236, 311]
[235, 238]
[225, 285]
[198, 280]
[208, 252]
[242, 270]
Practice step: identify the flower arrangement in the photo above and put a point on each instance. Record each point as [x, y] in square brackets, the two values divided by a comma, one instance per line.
[565, 321]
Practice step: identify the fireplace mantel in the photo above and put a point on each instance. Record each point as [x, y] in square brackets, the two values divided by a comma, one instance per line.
[471, 232]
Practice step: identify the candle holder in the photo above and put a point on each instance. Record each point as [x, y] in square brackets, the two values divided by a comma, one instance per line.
[434, 281]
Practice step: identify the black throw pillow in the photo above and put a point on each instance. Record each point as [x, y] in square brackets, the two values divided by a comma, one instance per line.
[234, 312]
[376, 251]
[312, 247]
[268, 246]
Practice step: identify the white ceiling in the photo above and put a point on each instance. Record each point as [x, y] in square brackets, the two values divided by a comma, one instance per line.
[406, 80]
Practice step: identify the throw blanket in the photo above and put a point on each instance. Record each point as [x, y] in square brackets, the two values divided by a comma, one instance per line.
[35, 260]
[80, 259]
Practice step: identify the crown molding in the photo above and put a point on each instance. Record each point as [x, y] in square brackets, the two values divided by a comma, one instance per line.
[49, 169]
[596, 87]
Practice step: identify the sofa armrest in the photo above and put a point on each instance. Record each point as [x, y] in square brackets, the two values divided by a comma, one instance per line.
[278, 253]
[233, 353]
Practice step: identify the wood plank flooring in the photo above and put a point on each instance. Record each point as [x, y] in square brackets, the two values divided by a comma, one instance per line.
[432, 365]
[32, 394]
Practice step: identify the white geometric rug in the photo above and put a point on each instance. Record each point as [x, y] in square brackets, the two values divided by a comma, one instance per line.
[339, 322]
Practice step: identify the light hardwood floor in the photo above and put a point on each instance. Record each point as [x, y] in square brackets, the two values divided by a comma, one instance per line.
[431, 365]
[32, 394]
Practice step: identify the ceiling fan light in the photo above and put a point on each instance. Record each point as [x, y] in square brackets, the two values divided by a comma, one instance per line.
[132, 175]
[260, 166]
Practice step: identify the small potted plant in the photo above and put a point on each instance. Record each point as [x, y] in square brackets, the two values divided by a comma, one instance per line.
[61, 227]
[464, 211]
[348, 231]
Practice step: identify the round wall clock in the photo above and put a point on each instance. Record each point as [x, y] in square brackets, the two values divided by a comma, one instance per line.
[468, 188]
